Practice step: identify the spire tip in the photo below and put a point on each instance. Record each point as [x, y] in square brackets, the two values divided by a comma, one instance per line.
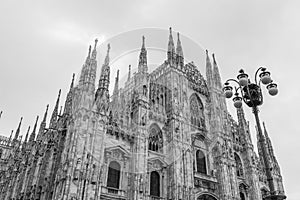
[96, 41]
[90, 48]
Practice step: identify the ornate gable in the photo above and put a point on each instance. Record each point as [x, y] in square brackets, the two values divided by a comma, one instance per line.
[117, 152]
[156, 163]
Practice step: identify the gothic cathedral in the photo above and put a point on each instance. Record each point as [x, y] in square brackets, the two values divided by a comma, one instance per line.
[164, 135]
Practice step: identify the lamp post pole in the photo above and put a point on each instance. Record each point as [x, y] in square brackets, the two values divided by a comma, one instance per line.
[252, 96]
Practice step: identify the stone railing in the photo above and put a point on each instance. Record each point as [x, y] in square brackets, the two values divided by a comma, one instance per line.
[155, 198]
[113, 191]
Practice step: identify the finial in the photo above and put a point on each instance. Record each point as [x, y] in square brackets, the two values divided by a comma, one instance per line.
[206, 52]
[36, 121]
[90, 48]
[96, 41]
[72, 82]
[12, 131]
[129, 73]
[26, 137]
[18, 129]
[106, 60]
[59, 94]
[213, 55]
[60, 111]
[108, 48]
[118, 74]
[45, 115]
[143, 41]
[1, 114]
[178, 36]
[170, 29]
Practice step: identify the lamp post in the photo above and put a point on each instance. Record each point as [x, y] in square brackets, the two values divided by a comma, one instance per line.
[252, 96]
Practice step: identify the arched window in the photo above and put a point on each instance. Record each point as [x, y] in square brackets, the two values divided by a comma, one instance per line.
[196, 110]
[113, 178]
[154, 184]
[239, 166]
[201, 162]
[155, 142]
[206, 197]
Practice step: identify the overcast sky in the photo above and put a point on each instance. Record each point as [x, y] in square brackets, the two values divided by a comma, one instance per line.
[42, 44]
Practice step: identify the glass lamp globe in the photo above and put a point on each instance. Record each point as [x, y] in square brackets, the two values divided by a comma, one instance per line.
[228, 91]
[272, 88]
[237, 102]
[243, 79]
[265, 78]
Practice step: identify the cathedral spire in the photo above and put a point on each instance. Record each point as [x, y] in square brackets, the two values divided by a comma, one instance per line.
[10, 137]
[94, 53]
[24, 145]
[84, 68]
[18, 130]
[179, 53]
[143, 68]
[68, 102]
[32, 136]
[53, 120]
[129, 73]
[243, 125]
[26, 137]
[268, 142]
[171, 48]
[102, 93]
[216, 74]
[105, 74]
[116, 88]
[209, 73]
[43, 125]
[88, 72]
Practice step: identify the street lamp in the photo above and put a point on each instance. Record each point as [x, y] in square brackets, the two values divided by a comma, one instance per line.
[252, 96]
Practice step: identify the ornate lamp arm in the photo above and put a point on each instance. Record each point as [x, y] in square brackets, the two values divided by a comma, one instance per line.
[255, 77]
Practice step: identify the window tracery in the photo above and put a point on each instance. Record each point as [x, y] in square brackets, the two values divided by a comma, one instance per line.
[155, 142]
[239, 166]
[196, 110]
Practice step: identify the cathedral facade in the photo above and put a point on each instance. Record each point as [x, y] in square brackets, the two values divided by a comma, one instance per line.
[164, 135]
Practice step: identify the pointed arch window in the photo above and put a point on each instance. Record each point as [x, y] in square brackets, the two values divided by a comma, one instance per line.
[239, 166]
[154, 184]
[155, 142]
[201, 162]
[197, 113]
[113, 178]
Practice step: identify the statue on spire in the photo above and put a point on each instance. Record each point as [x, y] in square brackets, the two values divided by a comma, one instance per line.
[179, 53]
[53, 120]
[209, 73]
[171, 49]
[102, 93]
[216, 74]
[17, 132]
[142, 67]
[32, 136]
